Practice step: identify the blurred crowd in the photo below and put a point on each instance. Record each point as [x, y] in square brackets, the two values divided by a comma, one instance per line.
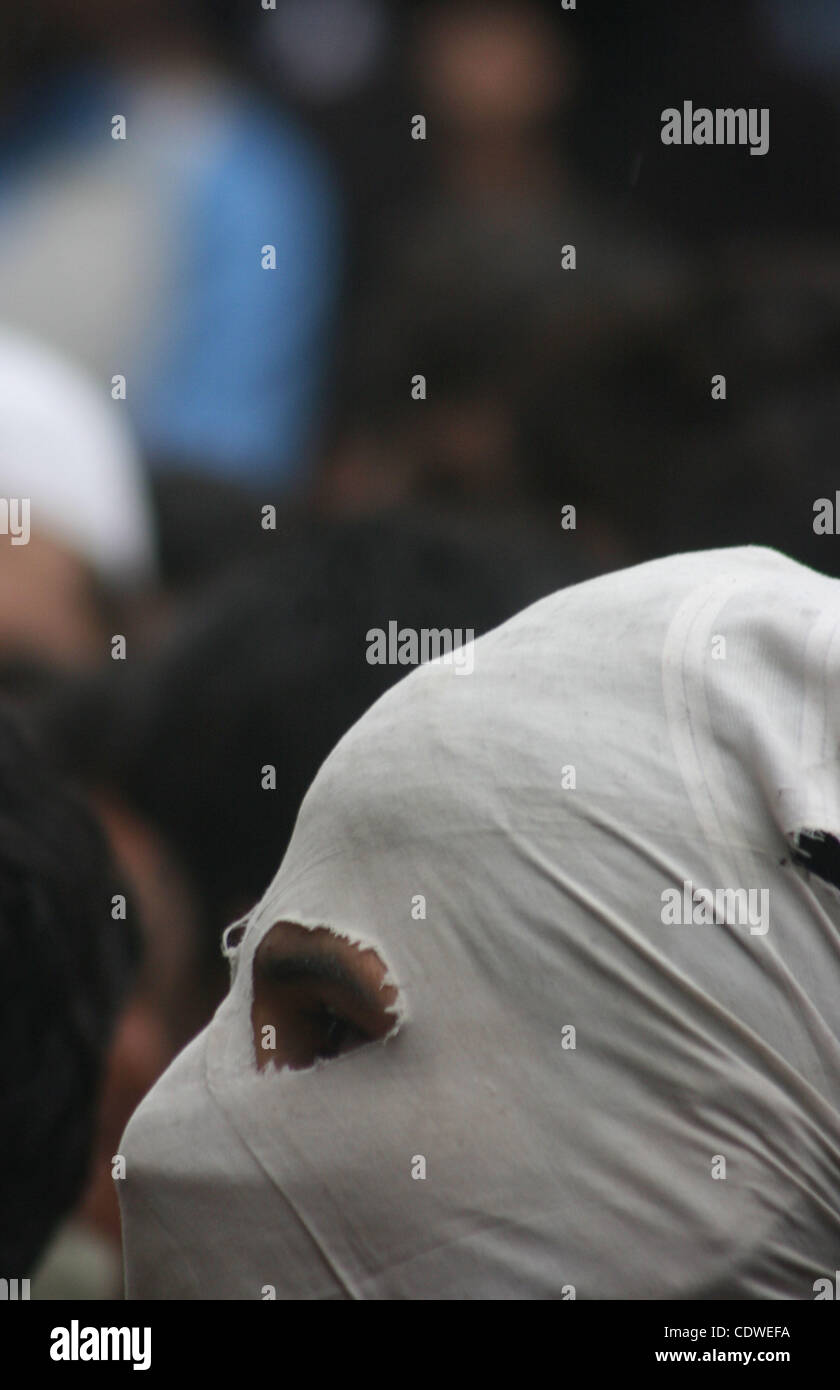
[280, 363]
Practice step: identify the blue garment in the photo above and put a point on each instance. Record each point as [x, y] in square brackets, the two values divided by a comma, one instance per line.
[234, 384]
[240, 389]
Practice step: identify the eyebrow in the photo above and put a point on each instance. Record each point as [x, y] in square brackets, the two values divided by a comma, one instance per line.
[286, 969]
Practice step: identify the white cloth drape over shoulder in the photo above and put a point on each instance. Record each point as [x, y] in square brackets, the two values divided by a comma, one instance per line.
[619, 1052]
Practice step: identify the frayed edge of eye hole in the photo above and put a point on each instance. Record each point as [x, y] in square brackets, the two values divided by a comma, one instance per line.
[233, 936]
[396, 1012]
[271, 1071]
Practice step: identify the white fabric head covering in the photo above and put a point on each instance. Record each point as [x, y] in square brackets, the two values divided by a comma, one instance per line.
[66, 446]
[548, 1167]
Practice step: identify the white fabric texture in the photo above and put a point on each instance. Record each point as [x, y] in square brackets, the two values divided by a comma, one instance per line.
[66, 445]
[551, 1170]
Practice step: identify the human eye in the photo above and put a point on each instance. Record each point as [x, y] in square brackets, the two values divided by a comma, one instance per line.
[334, 1034]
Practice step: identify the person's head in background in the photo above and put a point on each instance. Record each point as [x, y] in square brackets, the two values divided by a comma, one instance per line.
[76, 536]
[65, 966]
[268, 669]
[69, 715]
[494, 77]
[525, 416]
[632, 432]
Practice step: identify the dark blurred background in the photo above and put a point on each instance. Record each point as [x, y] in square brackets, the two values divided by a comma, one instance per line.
[212, 330]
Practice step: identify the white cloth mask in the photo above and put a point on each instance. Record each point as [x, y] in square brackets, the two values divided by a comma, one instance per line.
[613, 1093]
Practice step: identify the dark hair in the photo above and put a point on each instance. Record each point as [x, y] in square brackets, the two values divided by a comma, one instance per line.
[64, 964]
[205, 525]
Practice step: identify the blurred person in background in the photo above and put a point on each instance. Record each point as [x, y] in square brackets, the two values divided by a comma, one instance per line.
[67, 715]
[476, 270]
[163, 1010]
[66, 968]
[143, 256]
[83, 571]
[67, 456]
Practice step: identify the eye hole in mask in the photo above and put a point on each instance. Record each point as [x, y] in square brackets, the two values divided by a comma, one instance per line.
[316, 997]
